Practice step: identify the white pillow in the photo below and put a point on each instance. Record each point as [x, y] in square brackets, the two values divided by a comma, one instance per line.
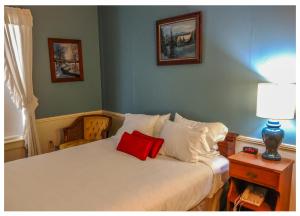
[216, 130]
[160, 123]
[183, 142]
[143, 123]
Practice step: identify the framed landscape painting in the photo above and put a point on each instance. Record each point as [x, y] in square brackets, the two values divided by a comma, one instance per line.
[65, 60]
[179, 39]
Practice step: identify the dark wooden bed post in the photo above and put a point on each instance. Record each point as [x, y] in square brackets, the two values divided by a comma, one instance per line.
[227, 146]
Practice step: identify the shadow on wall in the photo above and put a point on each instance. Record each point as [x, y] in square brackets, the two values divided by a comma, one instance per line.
[233, 102]
[228, 94]
[222, 88]
[117, 49]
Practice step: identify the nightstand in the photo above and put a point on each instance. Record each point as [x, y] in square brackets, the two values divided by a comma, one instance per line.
[245, 169]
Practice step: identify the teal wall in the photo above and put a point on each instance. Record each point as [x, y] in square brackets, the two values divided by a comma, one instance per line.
[70, 22]
[222, 88]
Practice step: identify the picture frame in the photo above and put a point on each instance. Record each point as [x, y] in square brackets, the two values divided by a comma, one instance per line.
[179, 39]
[65, 60]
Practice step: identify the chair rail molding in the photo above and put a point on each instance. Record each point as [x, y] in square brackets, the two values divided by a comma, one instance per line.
[255, 141]
[12, 139]
[60, 117]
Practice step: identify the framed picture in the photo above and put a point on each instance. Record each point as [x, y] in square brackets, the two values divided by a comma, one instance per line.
[65, 60]
[179, 39]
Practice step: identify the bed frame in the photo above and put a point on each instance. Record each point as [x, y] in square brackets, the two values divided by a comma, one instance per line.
[225, 147]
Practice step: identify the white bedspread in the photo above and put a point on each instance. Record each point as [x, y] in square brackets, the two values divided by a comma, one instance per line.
[97, 177]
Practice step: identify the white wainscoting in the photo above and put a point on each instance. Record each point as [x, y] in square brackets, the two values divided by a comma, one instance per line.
[14, 148]
[50, 129]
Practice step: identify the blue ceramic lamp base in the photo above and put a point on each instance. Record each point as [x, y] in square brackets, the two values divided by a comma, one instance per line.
[272, 136]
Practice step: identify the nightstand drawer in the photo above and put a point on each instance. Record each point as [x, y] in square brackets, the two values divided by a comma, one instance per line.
[254, 174]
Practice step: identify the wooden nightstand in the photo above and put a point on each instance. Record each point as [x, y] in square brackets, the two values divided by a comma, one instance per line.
[276, 176]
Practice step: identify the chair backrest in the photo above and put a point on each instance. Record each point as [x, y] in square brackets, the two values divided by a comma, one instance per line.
[96, 127]
[89, 127]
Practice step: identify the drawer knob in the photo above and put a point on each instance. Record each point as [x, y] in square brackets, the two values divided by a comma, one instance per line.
[251, 175]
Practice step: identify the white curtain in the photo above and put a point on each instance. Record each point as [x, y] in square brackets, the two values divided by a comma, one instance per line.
[18, 70]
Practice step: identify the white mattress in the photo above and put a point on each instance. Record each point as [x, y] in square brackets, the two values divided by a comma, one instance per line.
[97, 177]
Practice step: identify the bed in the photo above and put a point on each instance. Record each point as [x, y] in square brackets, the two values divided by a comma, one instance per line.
[94, 177]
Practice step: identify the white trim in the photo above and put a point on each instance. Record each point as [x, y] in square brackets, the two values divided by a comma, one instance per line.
[11, 139]
[256, 141]
[113, 113]
[55, 118]
[240, 138]
[13, 143]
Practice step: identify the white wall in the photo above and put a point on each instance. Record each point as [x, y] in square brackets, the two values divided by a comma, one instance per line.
[51, 129]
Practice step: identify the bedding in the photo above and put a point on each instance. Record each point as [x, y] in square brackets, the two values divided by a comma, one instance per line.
[156, 142]
[134, 145]
[160, 123]
[143, 123]
[216, 130]
[182, 142]
[97, 177]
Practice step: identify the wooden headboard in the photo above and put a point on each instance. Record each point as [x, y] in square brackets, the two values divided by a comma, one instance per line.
[227, 146]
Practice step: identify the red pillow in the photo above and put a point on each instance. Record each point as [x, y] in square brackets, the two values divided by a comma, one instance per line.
[134, 145]
[157, 142]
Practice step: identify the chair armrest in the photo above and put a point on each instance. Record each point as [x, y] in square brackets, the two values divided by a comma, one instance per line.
[75, 131]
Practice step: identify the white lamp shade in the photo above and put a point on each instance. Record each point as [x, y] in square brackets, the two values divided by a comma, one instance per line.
[276, 101]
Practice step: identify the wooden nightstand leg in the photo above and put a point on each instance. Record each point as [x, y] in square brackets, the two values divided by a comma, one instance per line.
[228, 206]
[231, 189]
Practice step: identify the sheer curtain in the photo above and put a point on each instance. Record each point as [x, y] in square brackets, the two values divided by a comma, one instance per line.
[18, 70]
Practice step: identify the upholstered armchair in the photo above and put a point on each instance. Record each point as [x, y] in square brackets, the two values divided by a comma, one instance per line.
[86, 129]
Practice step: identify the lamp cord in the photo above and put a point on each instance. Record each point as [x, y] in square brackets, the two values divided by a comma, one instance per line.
[237, 201]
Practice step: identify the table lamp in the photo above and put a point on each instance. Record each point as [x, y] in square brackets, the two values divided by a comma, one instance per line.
[274, 102]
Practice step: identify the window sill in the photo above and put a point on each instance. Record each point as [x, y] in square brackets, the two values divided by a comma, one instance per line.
[14, 139]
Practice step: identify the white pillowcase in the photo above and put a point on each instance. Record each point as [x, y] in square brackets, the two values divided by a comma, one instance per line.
[143, 123]
[183, 142]
[160, 123]
[216, 130]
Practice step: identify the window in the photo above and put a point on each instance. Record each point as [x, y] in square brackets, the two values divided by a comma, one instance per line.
[13, 117]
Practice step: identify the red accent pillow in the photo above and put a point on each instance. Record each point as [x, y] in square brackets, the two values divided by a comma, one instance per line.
[134, 145]
[157, 142]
